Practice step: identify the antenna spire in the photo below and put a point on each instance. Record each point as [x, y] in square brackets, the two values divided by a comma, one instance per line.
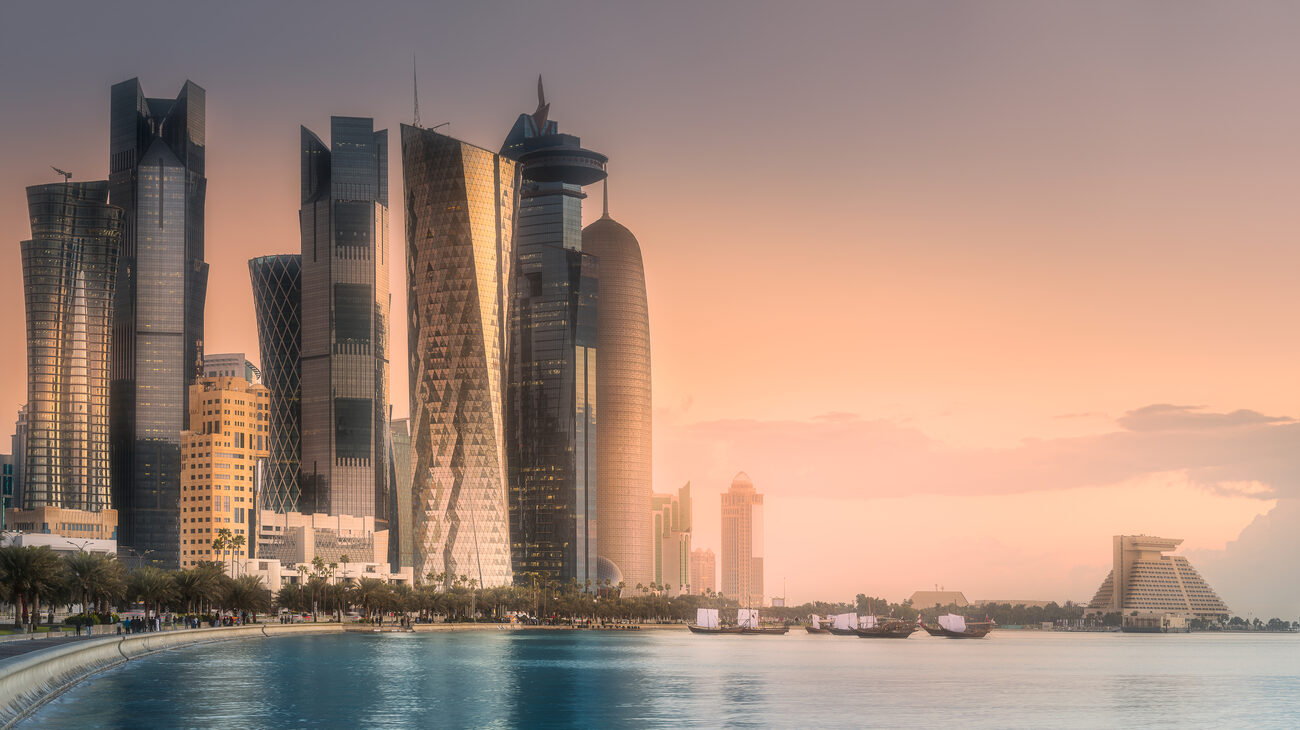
[415, 82]
[605, 196]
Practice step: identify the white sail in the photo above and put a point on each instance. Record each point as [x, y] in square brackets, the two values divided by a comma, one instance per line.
[747, 618]
[706, 618]
[953, 622]
[867, 622]
[816, 621]
[846, 620]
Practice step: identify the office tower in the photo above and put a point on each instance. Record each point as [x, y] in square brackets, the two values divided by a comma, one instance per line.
[231, 365]
[704, 571]
[742, 542]
[401, 542]
[551, 402]
[6, 487]
[18, 448]
[156, 175]
[277, 302]
[221, 454]
[623, 392]
[672, 540]
[69, 278]
[345, 323]
[1144, 580]
[460, 208]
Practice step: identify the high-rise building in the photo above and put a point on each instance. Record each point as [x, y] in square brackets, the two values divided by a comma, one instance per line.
[156, 175]
[345, 322]
[69, 278]
[18, 444]
[221, 456]
[704, 571]
[6, 487]
[623, 391]
[460, 208]
[551, 428]
[277, 301]
[401, 536]
[672, 537]
[230, 365]
[742, 542]
[1145, 580]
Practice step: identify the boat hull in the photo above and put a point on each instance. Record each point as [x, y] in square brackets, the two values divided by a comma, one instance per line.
[766, 631]
[811, 630]
[892, 631]
[720, 630]
[843, 632]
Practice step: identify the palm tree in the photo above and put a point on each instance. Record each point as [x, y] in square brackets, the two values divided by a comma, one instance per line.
[90, 576]
[345, 560]
[236, 543]
[29, 573]
[151, 586]
[247, 593]
[199, 586]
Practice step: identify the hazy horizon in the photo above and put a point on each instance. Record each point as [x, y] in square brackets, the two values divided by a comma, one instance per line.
[966, 289]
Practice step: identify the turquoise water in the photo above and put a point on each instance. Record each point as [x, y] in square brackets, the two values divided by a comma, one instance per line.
[545, 679]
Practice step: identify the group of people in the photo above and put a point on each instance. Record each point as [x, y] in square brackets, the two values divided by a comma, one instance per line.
[139, 625]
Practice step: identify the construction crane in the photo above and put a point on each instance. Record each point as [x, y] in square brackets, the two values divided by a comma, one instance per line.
[67, 176]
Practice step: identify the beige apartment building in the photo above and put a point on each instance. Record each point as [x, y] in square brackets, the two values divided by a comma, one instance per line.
[670, 516]
[1145, 581]
[221, 456]
[704, 571]
[742, 542]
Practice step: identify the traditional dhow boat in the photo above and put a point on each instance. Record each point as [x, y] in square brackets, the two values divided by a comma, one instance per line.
[706, 622]
[953, 626]
[872, 628]
[816, 626]
[747, 620]
[844, 624]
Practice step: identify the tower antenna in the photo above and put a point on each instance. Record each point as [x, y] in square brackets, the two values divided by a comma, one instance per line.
[605, 196]
[415, 82]
[67, 176]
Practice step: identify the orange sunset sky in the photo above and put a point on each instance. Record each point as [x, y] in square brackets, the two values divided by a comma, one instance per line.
[966, 288]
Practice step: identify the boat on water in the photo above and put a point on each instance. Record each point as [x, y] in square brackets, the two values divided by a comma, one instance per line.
[766, 630]
[953, 626]
[706, 622]
[815, 627]
[716, 630]
[871, 627]
[844, 624]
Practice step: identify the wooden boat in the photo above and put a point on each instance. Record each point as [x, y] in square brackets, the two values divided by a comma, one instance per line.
[815, 625]
[765, 630]
[888, 630]
[844, 624]
[843, 632]
[952, 626]
[816, 630]
[718, 630]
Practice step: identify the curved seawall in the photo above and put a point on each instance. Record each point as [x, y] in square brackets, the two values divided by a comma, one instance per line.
[30, 680]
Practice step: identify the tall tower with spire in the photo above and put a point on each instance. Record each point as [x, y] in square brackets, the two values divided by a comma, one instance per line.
[551, 393]
[623, 392]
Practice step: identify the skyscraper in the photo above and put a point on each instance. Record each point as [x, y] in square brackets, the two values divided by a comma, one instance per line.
[277, 301]
[704, 571]
[742, 542]
[345, 322]
[1143, 580]
[623, 392]
[551, 401]
[69, 279]
[401, 537]
[156, 175]
[672, 539]
[460, 208]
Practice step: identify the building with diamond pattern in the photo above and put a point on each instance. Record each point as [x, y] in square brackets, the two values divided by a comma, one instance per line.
[277, 301]
[460, 207]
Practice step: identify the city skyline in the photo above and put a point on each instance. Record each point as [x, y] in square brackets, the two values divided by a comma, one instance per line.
[1025, 317]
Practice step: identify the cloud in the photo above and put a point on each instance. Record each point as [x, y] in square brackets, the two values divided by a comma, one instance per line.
[1258, 572]
[842, 455]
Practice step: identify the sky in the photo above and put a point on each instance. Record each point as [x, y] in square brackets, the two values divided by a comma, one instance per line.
[965, 288]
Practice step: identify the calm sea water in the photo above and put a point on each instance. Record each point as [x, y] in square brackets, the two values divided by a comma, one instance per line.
[540, 679]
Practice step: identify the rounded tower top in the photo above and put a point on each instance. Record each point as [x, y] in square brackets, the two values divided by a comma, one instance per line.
[742, 480]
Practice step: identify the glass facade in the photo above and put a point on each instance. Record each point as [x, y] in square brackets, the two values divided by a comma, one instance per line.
[460, 208]
[277, 301]
[69, 277]
[345, 321]
[623, 391]
[401, 543]
[156, 175]
[551, 393]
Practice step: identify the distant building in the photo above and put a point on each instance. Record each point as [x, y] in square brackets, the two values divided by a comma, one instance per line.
[460, 208]
[742, 542]
[18, 444]
[1145, 581]
[221, 458]
[294, 538]
[230, 365]
[59, 544]
[6, 486]
[671, 516]
[69, 280]
[704, 571]
[401, 536]
[936, 597]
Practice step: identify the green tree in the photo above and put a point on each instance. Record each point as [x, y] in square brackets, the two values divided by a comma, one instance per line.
[151, 586]
[28, 574]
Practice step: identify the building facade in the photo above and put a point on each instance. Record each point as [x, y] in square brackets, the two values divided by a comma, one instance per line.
[345, 321]
[461, 203]
[277, 303]
[742, 542]
[221, 457]
[401, 535]
[230, 365]
[623, 440]
[1146, 581]
[157, 176]
[704, 571]
[551, 400]
[671, 516]
[69, 280]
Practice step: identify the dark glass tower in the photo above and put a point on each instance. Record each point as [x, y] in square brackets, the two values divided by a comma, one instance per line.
[551, 393]
[156, 175]
[345, 321]
[69, 275]
[277, 299]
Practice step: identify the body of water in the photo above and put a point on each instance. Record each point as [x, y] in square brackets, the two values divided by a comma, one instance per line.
[671, 679]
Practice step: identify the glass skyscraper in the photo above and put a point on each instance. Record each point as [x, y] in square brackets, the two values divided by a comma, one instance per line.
[551, 394]
[460, 209]
[277, 301]
[156, 175]
[69, 277]
[345, 322]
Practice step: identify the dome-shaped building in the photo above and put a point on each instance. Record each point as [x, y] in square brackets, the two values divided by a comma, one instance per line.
[623, 530]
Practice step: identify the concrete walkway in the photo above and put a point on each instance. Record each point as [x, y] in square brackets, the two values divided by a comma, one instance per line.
[10, 649]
